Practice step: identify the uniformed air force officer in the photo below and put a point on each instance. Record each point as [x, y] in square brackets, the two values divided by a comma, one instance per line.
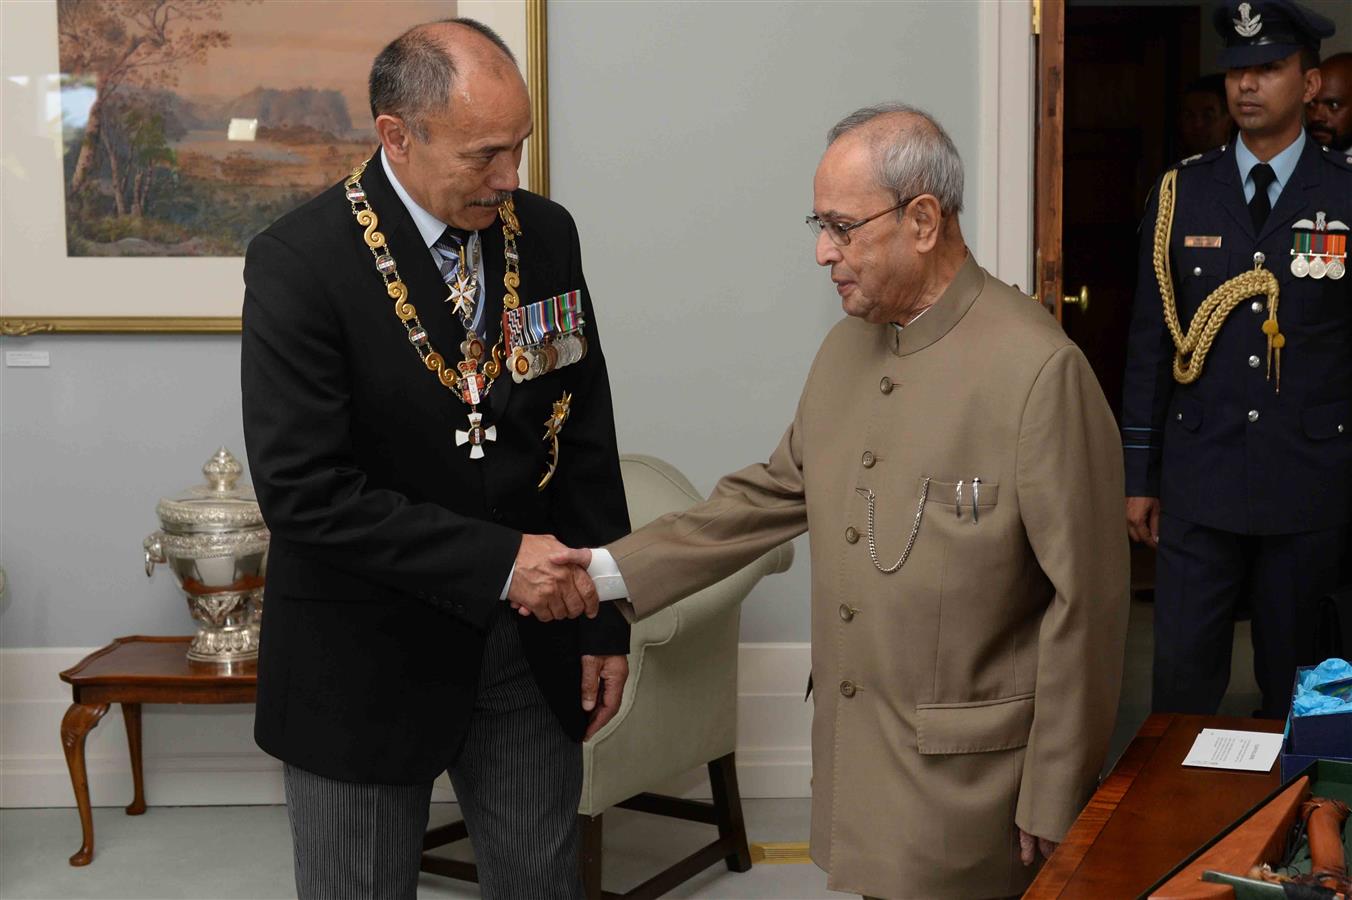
[1237, 409]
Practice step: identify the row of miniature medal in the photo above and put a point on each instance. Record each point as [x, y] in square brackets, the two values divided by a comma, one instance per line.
[1319, 248]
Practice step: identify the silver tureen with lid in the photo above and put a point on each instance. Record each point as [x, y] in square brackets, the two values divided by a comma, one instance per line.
[214, 541]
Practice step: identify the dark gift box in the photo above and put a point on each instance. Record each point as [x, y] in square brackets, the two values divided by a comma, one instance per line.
[1308, 738]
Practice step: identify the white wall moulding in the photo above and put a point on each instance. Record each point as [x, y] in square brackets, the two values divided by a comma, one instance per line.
[205, 755]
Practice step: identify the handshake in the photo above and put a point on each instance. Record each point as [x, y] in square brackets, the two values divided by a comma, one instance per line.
[550, 580]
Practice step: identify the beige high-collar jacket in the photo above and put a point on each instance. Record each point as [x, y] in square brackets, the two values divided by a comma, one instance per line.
[976, 686]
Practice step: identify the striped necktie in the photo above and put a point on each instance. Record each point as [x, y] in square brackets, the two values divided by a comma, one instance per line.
[447, 251]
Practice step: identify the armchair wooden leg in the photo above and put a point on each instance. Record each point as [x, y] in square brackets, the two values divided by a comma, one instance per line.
[590, 862]
[728, 803]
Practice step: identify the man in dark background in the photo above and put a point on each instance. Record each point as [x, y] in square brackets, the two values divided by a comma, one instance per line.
[1203, 117]
[1328, 117]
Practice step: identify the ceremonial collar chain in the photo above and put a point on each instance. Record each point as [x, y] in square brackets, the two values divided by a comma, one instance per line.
[464, 380]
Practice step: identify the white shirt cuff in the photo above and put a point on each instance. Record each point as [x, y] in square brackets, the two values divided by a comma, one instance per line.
[508, 586]
[605, 574]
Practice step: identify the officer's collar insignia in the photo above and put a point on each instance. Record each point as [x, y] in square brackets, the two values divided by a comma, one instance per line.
[1245, 26]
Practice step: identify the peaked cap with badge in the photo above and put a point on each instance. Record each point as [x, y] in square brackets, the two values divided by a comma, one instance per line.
[1263, 31]
[1237, 396]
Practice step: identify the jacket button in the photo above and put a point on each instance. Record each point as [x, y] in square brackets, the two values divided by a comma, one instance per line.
[846, 613]
[885, 385]
[1256, 306]
[851, 535]
[847, 689]
[1259, 258]
[1253, 415]
[1254, 362]
[869, 459]
[1196, 270]
[1340, 428]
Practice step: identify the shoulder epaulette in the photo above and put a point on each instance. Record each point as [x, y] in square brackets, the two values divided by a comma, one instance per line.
[1340, 158]
[1198, 159]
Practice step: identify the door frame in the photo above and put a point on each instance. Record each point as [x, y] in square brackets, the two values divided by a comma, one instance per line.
[1001, 175]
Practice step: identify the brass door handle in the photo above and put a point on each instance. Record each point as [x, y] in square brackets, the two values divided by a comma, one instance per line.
[1082, 301]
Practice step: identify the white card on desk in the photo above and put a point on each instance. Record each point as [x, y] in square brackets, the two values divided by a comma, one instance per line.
[1246, 751]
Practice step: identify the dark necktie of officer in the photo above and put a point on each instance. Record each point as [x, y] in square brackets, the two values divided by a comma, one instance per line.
[447, 249]
[1260, 206]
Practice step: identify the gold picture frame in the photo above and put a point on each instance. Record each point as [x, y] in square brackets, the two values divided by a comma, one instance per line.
[37, 273]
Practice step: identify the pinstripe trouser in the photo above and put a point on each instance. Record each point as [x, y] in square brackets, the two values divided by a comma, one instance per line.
[518, 780]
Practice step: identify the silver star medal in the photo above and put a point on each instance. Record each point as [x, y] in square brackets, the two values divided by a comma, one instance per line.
[476, 436]
[463, 293]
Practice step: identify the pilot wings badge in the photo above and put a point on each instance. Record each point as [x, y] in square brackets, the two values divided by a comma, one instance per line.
[1245, 26]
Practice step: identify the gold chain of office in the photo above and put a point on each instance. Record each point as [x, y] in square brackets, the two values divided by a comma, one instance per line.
[398, 291]
[1191, 349]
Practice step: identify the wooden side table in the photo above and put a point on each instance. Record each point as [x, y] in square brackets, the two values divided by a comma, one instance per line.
[132, 671]
[1150, 813]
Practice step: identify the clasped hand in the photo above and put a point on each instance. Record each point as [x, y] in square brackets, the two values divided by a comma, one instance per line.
[550, 580]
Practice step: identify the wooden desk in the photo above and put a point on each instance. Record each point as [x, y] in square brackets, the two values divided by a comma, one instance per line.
[132, 671]
[1150, 813]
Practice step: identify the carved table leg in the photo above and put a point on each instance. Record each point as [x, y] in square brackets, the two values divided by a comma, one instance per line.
[131, 716]
[79, 720]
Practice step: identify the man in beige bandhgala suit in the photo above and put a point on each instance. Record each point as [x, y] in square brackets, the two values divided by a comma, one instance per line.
[965, 692]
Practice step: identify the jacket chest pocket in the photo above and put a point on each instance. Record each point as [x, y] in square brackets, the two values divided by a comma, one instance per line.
[1318, 302]
[1197, 272]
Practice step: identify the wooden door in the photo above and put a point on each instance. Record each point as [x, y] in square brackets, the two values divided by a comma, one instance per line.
[1110, 79]
[1125, 68]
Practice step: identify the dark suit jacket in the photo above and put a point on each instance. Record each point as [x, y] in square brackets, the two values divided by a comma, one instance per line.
[1193, 445]
[390, 547]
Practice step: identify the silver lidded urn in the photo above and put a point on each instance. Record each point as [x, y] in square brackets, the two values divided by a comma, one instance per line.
[214, 541]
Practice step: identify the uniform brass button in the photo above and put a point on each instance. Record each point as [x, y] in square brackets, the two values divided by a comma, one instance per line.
[1256, 306]
[847, 688]
[1253, 362]
[1197, 270]
[869, 459]
[1259, 258]
[851, 535]
[885, 385]
[1253, 415]
[846, 614]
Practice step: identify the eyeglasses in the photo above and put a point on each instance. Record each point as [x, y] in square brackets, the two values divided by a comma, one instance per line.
[839, 232]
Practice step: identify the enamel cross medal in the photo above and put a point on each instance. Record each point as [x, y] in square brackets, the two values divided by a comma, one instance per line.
[463, 292]
[472, 389]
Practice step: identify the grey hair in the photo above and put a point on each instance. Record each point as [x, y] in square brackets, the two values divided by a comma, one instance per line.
[917, 157]
[413, 75]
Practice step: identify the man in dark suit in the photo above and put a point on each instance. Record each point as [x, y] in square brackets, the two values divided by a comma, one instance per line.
[1237, 410]
[412, 499]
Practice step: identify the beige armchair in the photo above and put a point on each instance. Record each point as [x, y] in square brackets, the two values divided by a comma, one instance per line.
[679, 710]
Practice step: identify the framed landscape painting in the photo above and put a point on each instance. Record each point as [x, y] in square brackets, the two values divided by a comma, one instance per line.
[147, 141]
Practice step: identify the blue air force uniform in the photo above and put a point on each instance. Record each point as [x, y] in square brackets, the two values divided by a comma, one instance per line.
[1252, 461]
